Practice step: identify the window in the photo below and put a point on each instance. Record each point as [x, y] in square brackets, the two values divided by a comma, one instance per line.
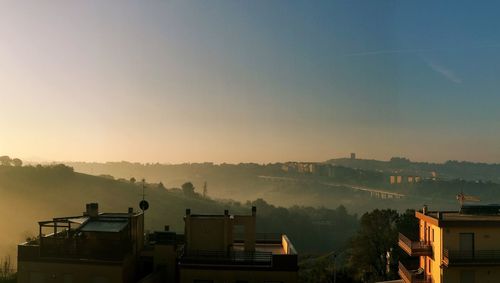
[433, 235]
[467, 276]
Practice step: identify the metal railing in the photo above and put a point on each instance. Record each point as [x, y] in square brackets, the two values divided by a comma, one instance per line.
[414, 275]
[232, 257]
[415, 247]
[260, 237]
[102, 249]
[471, 257]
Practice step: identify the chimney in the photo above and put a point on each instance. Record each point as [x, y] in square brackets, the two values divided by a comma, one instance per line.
[254, 210]
[92, 209]
[226, 212]
[188, 211]
[439, 215]
[424, 209]
[130, 210]
[166, 228]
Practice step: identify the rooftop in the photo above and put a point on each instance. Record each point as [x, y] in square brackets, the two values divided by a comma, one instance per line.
[91, 236]
[485, 215]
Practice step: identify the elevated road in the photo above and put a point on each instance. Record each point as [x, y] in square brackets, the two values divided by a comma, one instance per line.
[378, 193]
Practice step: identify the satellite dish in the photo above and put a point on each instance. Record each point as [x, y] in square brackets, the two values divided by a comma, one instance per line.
[144, 205]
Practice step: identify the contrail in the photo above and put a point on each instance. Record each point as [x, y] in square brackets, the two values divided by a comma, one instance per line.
[401, 51]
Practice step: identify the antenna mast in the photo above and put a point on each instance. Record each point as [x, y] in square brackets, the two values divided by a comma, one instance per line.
[143, 204]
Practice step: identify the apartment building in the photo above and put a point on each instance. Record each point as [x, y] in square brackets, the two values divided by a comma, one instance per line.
[93, 247]
[112, 247]
[454, 246]
[226, 248]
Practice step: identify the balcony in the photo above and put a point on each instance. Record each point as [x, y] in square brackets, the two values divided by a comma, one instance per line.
[477, 257]
[411, 273]
[414, 248]
[227, 258]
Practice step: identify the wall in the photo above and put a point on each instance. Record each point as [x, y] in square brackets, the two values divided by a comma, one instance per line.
[208, 233]
[250, 276]
[487, 274]
[435, 237]
[45, 272]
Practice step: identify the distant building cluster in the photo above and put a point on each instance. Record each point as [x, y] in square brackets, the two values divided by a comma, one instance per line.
[112, 247]
[399, 179]
[313, 168]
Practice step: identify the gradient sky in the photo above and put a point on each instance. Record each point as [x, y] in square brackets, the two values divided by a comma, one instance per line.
[249, 81]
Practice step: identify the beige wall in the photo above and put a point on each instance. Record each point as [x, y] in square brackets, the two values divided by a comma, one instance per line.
[434, 235]
[224, 276]
[448, 238]
[485, 238]
[45, 272]
[216, 233]
[213, 234]
[489, 274]
[166, 256]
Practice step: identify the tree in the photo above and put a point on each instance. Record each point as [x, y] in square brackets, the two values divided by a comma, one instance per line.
[132, 180]
[188, 188]
[17, 162]
[377, 235]
[6, 269]
[5, 160]
[161, 186]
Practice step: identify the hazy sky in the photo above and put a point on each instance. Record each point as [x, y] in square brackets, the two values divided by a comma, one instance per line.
[261, 81]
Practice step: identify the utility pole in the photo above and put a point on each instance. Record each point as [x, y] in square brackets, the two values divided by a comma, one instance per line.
[334, 255]
[205, 189]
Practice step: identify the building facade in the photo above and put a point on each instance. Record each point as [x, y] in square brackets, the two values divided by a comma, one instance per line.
[94, 247]
[113, 248]
[226, 248]
[454, 246]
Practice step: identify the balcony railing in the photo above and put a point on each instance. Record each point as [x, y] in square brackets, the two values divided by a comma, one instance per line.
[260, 237]
[413, 274]
[414, 248]
[477, 257]
[227, 258]
[98, 249]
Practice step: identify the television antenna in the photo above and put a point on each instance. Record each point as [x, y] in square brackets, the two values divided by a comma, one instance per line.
[462, 198]
[143, 204]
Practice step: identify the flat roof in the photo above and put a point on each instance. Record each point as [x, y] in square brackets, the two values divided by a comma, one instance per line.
[455, 218]
[272, 248]
[105, 225]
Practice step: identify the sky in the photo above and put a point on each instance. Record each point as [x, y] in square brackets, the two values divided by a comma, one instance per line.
[249, 81]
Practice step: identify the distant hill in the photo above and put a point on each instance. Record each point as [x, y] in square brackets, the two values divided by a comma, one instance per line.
[34, 193]
[449, 170]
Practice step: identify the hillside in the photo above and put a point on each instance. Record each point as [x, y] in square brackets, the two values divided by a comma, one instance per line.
[449, 170]
[31, 194]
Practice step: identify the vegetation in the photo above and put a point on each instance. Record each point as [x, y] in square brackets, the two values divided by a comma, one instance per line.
[448, 170]
[44, 192]
[337, 243]
[7, 161]
[374, 252]
[7, 273]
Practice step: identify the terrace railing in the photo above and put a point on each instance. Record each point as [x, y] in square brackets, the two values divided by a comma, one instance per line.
[413, 274]
[414, 248]
[229, 258]
[473, 257]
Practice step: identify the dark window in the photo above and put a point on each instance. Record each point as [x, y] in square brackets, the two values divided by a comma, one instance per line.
[467, 276]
